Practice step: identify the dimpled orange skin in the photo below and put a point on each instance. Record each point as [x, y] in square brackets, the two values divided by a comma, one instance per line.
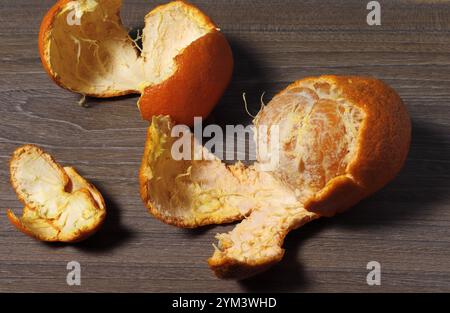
[204, 70]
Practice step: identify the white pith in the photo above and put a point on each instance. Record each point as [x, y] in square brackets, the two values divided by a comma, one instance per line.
[60, 204]
[272, 202]
[96, 56]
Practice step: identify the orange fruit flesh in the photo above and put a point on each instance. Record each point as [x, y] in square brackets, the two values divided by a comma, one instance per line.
[324, 141]
[318, 133]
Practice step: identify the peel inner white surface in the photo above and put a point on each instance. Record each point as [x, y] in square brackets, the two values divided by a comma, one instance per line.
[60, 204]
[96, 56]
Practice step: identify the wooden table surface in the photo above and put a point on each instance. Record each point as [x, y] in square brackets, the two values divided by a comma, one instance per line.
[405, 227]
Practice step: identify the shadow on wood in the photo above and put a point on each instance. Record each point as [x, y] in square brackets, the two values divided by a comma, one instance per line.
[426, 159]
[111, 235]
[422, 183]
[91, 101]
[289, 274]
[248, 77]
[199, 231]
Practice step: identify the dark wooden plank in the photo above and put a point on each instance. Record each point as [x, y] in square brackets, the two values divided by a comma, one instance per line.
[406, 226]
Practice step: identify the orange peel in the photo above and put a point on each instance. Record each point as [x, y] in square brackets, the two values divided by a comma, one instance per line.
[341, 138]
[60, 205]
[182, 70]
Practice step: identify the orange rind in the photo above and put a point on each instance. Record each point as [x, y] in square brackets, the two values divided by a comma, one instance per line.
[182, 69]
[341, 138]
[60, 205]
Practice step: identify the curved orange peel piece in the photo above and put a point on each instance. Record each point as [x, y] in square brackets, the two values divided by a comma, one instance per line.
[182, 70]
[60, 205]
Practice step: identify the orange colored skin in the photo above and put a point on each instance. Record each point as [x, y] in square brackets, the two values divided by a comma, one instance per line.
[383, 145]
[204, 70]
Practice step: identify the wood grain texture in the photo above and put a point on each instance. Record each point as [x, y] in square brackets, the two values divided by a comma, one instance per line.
[405, 227]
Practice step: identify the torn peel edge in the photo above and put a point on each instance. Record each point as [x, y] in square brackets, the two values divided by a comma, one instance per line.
[17, 222]
[226, 267]
[78, 182]
[157, 149]
[44, 229]
[327, 203]
[78, 237]
[77, 209]
[193, 223]
[13, 167]
[206, 83]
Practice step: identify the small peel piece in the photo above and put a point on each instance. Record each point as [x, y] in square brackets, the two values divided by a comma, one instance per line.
[256, 243]
[60, 205]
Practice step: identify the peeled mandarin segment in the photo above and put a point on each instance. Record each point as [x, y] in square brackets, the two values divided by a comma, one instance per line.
[325, 162]
[85, 48]
[323, 143]
[314, 134]
[60, 205]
